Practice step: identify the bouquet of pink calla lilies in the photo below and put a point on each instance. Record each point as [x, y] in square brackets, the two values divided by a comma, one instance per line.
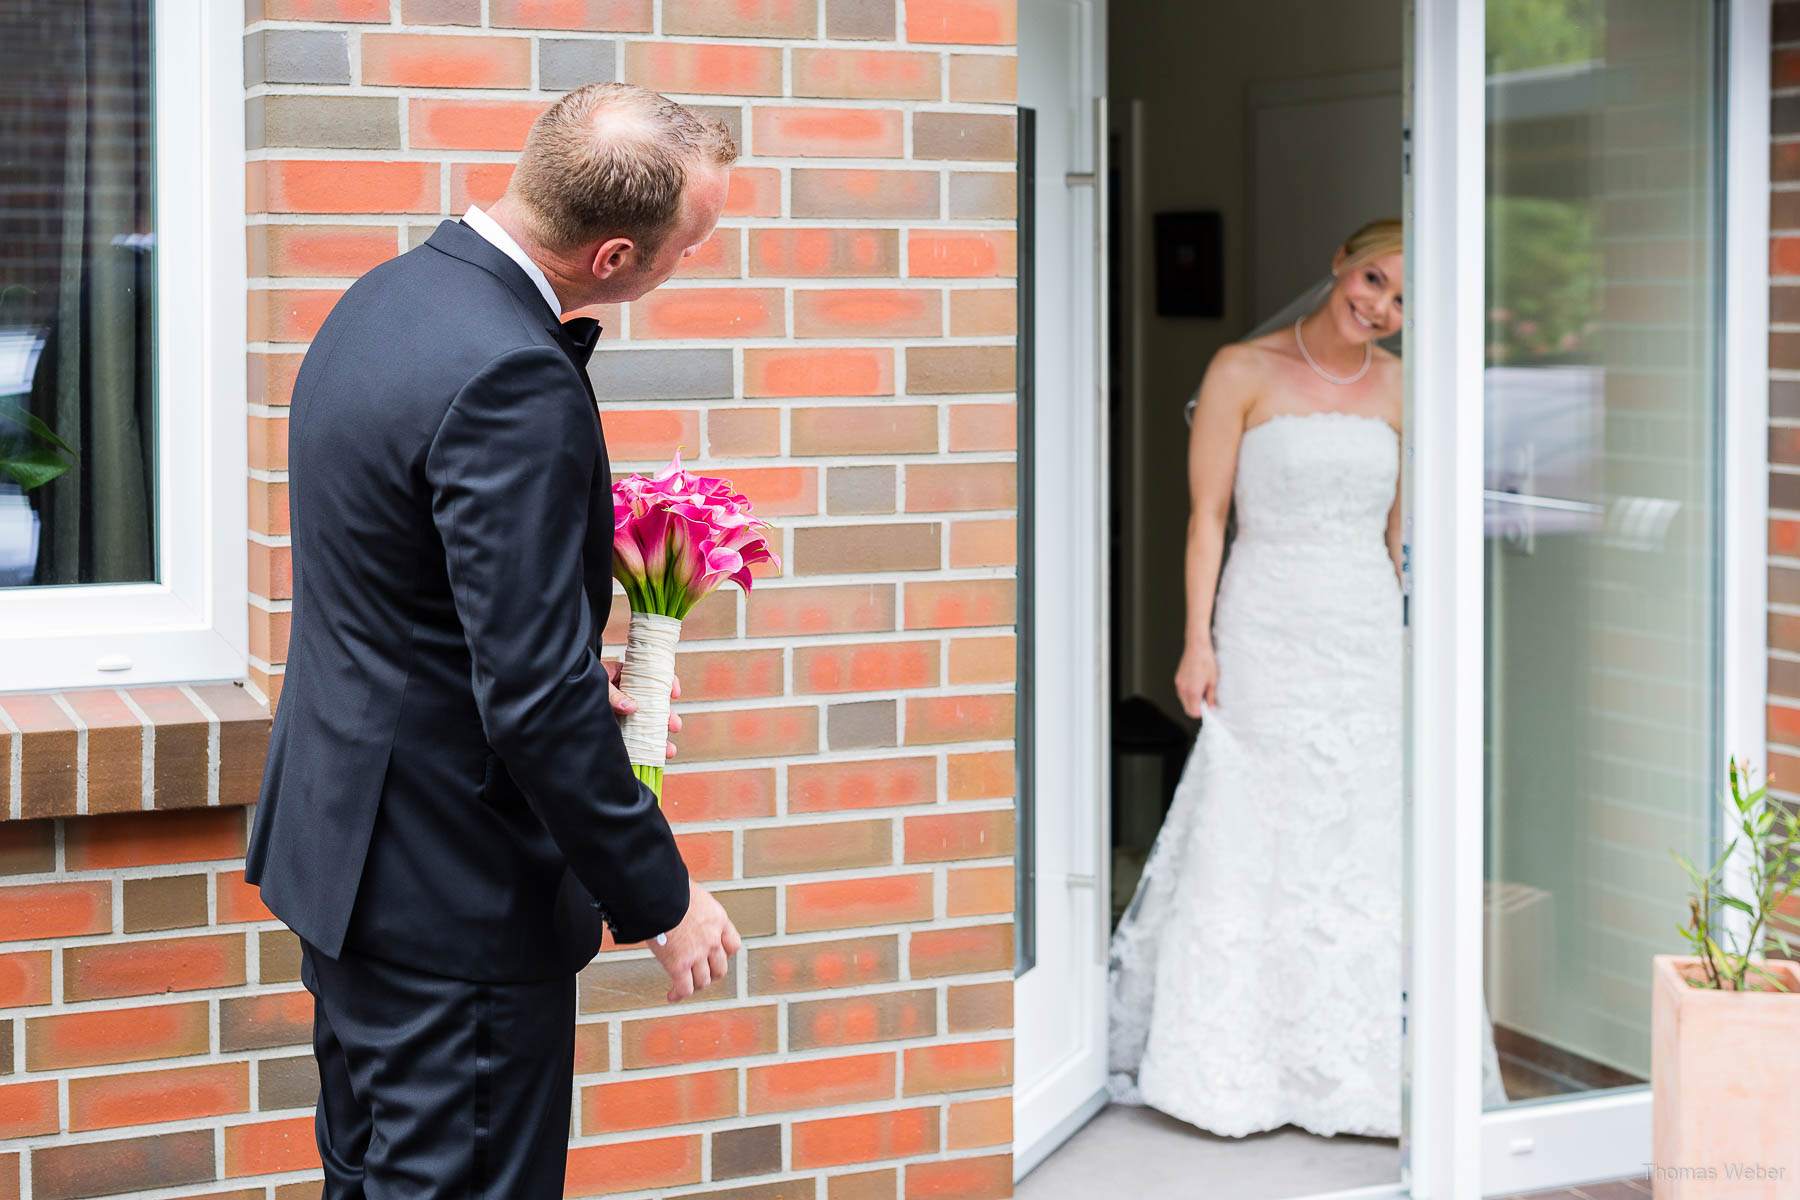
[676, 537]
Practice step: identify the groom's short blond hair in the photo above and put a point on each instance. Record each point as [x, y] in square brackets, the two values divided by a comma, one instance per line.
[612, 160]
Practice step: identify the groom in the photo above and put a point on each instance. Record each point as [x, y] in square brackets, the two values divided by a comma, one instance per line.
[448, 816]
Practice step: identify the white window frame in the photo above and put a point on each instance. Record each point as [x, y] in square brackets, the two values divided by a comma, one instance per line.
[194, 624]
[1455, 1151]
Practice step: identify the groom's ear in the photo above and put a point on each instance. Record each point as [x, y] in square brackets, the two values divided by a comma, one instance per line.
[611, 257]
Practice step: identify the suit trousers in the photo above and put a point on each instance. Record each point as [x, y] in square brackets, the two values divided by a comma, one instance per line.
[432, 1087]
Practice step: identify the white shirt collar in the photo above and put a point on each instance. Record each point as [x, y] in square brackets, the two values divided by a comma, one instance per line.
[490, 229]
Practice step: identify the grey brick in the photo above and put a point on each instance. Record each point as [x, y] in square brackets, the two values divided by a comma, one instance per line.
[327, 122]
[287, 1082]
[296, 56]
[859, 19]
[862, 725]
[418, 235]
[984, 194]
[859, 490]
[564, 65]
[661, 374]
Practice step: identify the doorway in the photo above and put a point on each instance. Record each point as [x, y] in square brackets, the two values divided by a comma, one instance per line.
[1579, 503]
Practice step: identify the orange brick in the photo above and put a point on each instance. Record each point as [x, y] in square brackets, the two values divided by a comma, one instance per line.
[708, 675]
[993, 543]
[865, 1185]
[958, 1067]
[707, 855]
[49, 910]
[977, 718]
[270, 1146]
[470, 124]
[796, 371]
[865, 666]
[866, 74]
[864, 783]
[115, 1035]
[25, 979]
[326, 10]
[987, 1178]
[166, 1094]
[850, 903]
[268, 443]
[949, 837]
[843, 608]
[649, 435]
[289, 314]
[709, 69]
[977, 1123]
[269, 376]
[983, 660]
[436, 60]
[265, 1020]
[632, 1166]
[654, 1103]
[838, 1141]
[753, 192]
[144, 968]
[958, 603]
[963, 22]
[322, 186]
[960, 487]
[719, 795]
[824, 253]
[853, 1020]
[937, 952]
[320, 251]
[981, 426]
[779, 491]
[980, 1006]
[952, 254]
[697, 1037]
[988, 775]
[153, 839]
[826, 133]
[741, 18]
[984, 78]
[822, 1083]
[614, 16]
[238, 901]
[868, 312]
[749, 733]
[709, 312]
[984, 312]
[863, 429]
[837, 846]
[980, 892]
[27, 1109]
[743, 432]
[809, 966]
[719, 257]
[477, 184]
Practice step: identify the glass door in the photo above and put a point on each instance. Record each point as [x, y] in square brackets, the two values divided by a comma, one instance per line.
[1601, 551]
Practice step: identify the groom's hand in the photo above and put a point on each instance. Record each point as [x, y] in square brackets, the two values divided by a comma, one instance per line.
[623, 704]
[697, 951]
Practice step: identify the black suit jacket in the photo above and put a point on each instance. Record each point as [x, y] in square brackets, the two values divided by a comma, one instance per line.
[446, 785]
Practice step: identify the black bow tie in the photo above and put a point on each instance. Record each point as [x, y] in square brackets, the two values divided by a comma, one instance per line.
[581, 333]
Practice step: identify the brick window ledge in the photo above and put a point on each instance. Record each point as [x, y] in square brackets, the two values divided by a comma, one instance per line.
[114, 750]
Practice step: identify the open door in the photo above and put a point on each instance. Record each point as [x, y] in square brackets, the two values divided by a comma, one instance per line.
[1060, 1001]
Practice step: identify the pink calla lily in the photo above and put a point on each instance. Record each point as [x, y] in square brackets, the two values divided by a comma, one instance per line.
[678, 536]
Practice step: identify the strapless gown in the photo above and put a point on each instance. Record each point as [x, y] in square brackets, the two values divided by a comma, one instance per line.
[1255, 978]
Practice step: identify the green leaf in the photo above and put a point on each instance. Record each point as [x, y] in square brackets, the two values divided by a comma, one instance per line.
[12, 411]
[34, 468]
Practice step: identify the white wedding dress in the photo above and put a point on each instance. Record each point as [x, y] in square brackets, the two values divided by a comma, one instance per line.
[1255, 978]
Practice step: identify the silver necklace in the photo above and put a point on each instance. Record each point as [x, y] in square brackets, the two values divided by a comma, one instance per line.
[1368, 357]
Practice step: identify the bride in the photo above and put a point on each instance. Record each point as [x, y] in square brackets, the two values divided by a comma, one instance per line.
[1256, 976]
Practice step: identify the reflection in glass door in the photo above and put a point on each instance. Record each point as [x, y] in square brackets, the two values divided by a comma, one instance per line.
[1602, 534]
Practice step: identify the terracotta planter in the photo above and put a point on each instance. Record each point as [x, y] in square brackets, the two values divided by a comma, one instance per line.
[1725, 1074]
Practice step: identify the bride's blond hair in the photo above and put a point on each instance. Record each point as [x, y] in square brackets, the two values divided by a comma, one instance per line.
[1384, 236]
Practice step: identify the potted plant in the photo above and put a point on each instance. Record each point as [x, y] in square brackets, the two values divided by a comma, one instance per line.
[1725, 1020]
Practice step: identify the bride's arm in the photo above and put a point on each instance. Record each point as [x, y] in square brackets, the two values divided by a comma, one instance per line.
[1226, 395]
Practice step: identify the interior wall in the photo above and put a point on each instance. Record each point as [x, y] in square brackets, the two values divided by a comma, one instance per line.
[1193, 65]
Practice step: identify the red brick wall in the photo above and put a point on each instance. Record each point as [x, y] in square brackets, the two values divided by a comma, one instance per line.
[843, 350]
[1784, 404]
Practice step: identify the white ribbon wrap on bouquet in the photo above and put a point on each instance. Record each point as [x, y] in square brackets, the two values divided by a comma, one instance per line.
[645, 676]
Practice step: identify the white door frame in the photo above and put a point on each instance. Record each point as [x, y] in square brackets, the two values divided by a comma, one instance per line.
[1453, 1150]
[1060, 1003]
